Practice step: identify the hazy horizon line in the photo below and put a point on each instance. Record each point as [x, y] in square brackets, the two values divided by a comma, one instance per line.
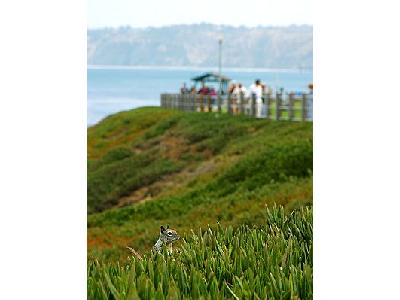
[201, 23]
[210, 69]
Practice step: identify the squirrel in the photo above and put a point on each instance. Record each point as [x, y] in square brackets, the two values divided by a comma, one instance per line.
[167, 237]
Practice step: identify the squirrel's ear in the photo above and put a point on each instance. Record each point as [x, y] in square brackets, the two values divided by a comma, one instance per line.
[167, 226]
[162, 229]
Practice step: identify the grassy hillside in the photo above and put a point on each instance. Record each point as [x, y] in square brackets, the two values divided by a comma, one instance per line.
[151, 166]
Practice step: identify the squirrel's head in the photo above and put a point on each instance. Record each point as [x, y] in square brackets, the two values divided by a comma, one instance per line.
[168, 235]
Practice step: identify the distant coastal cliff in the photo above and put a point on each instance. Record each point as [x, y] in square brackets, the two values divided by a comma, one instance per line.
[196, 45]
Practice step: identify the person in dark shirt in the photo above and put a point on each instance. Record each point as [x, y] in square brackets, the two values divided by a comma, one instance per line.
[204, 90]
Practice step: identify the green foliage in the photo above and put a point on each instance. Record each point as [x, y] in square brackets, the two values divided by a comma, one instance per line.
[116, 178]
[120, 129]
[273, 164]
[112, 156]
[161, 127]
[213, 131]
[269, 261]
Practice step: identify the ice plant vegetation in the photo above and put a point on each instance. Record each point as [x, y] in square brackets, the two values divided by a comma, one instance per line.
[269, 261]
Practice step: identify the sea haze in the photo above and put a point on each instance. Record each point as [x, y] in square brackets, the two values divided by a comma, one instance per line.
[113, 89]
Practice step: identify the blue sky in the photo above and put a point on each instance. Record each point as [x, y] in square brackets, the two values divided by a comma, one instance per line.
[142, 13]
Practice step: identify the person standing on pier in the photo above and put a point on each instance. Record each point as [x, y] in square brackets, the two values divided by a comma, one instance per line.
[255, 91]
[238, 92]
[184, 89]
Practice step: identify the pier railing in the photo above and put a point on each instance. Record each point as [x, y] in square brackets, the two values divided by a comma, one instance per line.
[278, 106]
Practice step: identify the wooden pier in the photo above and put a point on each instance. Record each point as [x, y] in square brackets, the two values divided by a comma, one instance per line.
[279, 106]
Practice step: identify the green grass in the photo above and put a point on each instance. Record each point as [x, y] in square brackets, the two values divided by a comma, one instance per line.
[270, 261]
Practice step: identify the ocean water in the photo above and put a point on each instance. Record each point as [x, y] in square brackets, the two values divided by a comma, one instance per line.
[110, 90]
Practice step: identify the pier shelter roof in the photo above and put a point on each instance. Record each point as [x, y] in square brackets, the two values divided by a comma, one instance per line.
[211, 77]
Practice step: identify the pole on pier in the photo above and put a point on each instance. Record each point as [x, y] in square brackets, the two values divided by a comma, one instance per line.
[220, 64]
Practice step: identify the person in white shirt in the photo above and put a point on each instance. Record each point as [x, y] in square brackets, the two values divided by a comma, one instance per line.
[255, 90]
[238, 88]
[242, 89]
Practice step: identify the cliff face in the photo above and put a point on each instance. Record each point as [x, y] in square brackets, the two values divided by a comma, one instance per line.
[197, 45]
